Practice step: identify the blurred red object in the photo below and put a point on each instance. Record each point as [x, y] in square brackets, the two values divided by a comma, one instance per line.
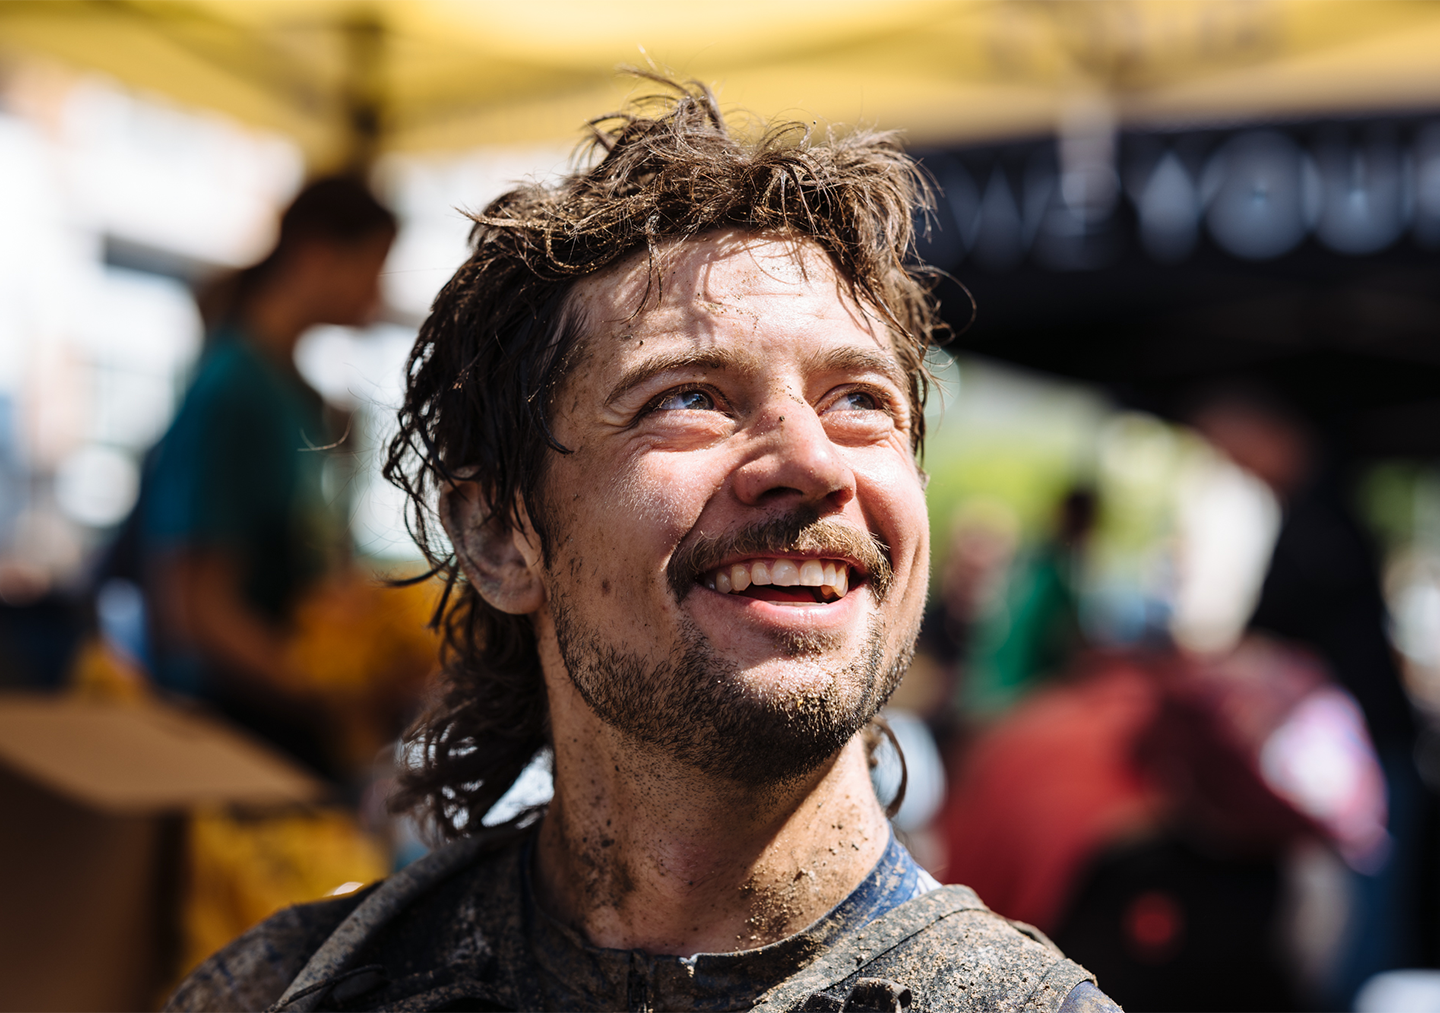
[1261, 745]
[1046, 787]
[1154, 926]
[1249, 752]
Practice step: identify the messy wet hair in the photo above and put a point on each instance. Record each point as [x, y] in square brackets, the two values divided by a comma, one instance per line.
[490, 357]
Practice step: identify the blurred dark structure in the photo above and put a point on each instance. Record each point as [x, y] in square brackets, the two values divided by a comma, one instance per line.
[1178, 928]
[38, 640]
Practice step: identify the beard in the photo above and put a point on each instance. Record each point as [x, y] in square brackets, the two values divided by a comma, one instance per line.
[696, 708]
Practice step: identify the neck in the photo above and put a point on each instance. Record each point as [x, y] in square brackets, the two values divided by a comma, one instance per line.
[275, 318]
[638, 853]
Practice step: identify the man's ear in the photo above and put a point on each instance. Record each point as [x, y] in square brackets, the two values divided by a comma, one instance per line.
[502, 561]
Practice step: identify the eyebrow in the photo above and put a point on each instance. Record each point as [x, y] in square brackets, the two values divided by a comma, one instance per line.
[852, 359]
[711, 359]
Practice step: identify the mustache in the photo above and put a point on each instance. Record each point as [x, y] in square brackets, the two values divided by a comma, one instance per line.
[799, 531]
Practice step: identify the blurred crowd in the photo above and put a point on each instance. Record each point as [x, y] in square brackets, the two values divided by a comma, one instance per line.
[1233, 824]
[1215, 789]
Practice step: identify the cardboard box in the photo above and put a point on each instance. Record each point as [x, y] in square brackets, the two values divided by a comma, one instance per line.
[92, 804]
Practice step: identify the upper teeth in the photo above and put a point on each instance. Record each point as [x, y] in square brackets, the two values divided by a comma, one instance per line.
[822, 573]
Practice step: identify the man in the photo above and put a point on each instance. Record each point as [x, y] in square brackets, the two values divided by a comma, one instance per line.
[670, 407]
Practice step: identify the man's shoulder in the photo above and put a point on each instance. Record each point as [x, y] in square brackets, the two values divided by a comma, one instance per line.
[949, 952]
[975, 959]
[253, 970]
[413, 932]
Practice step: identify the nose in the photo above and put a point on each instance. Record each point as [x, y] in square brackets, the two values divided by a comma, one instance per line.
[795, 459]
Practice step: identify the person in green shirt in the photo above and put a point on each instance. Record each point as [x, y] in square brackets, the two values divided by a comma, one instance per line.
[1038, 631]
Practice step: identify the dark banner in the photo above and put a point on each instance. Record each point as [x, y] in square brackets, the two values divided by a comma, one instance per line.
[1303, 255]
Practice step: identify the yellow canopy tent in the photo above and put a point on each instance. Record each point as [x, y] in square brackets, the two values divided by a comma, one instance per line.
[347, 80]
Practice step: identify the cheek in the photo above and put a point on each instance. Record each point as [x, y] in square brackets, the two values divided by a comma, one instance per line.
[893, 497]
[638, 508]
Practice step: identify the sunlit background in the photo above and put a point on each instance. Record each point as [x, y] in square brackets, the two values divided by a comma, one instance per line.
[1134, 199]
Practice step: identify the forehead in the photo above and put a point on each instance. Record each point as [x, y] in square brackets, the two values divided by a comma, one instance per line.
[696, 287]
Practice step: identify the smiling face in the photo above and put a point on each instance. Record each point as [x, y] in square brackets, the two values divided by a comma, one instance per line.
[738, 542]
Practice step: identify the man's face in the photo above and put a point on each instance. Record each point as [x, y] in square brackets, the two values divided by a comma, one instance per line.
[738, 542]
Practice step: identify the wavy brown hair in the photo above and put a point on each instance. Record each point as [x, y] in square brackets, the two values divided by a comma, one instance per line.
[490, 355]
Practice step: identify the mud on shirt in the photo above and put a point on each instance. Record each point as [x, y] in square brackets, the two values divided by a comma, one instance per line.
[475, 939]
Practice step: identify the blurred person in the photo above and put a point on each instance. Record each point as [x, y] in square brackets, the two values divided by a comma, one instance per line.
[1037, 631]
[970, 581]
[970, 584]
[668, 415]
[233, 527]
[1322, 590]
[1322, 586]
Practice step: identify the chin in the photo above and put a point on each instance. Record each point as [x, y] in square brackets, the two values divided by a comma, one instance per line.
[758, 724]
[798, 677]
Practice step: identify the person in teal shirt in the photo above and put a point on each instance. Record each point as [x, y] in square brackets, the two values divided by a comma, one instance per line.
[232, 524]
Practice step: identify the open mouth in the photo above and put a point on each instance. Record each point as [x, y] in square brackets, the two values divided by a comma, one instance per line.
[786, 581]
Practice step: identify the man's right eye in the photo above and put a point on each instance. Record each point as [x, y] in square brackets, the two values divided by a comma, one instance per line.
[686, 400]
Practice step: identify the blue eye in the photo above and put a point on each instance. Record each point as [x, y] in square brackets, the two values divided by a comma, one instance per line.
[686, 400]
[857, 401]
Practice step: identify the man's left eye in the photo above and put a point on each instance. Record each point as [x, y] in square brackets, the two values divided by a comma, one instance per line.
[856, 401]
[686, 400]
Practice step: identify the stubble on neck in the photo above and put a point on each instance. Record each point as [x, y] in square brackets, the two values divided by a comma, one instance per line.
[641, 856]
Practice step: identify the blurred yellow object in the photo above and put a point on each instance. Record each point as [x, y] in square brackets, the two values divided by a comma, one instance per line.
[100, 672]
[361, 649]
[242, 869]
[348, 80]
[352, 631]
[364, 650]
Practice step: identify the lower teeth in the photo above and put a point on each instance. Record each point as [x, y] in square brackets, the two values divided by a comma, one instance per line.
[822, 595]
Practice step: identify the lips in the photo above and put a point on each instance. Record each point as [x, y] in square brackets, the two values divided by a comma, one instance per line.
[820, 580]
[783, 558]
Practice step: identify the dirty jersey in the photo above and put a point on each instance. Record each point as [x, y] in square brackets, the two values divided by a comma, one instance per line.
[471, 937]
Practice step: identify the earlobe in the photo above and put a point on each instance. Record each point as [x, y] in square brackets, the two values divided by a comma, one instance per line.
[499, 560]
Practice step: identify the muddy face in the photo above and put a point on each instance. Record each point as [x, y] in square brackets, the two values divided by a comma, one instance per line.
[740, 543]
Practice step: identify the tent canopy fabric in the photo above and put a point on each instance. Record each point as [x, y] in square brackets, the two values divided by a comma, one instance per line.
[991, 85]
[348, 79]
